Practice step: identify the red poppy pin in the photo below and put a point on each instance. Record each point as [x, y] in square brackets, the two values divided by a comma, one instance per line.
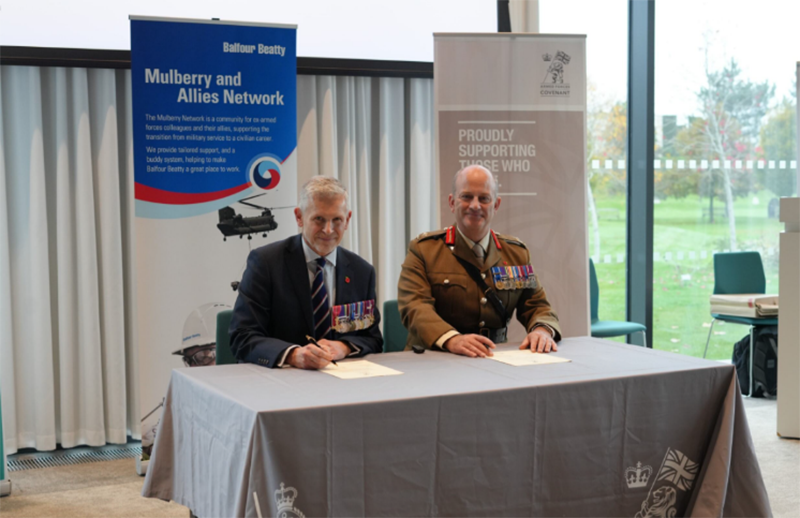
[347, 280]
[505, 263]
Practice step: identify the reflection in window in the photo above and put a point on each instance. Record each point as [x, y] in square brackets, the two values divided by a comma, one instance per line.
[725, 153]
[605, 25]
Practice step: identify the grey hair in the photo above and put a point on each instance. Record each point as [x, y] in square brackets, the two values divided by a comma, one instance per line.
[324, 187]
[476, 166]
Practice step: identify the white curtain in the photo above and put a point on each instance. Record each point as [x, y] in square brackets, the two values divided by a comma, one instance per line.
[524, 15]
[354, 128]
[68, 360]
[67, 376]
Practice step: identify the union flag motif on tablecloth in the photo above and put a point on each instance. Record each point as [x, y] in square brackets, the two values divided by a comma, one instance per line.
[669, 494]
[678, 469]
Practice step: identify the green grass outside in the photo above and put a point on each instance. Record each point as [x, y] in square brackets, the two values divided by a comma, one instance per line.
[681, 287]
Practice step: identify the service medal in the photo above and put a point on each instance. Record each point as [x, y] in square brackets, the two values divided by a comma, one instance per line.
[341, 325]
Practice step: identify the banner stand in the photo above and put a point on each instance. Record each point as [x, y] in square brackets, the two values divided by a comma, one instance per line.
[515, 103]
[215, 167]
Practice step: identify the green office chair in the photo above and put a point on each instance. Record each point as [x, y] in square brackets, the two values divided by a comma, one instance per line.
[224, 354]
[739, 273]
[609, 328]
[394, 332]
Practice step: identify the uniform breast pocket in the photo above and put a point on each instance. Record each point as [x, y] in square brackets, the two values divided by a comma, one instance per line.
[449, 290]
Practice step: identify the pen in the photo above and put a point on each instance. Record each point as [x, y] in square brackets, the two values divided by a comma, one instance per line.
[310, 339]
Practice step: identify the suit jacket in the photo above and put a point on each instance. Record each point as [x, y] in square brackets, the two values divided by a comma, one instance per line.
[273, 310]
[437, 295]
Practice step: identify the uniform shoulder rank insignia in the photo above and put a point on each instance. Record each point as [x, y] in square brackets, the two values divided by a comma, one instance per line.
[432, 234]
[513, 240]
[514, 277]
[355, 316]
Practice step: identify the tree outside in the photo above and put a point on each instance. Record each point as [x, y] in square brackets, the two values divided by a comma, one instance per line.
[721, 140]
[779, 139]
[736, 123]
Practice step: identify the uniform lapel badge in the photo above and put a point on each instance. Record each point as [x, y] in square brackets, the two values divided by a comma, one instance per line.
[496, 241]
[355, 316]
[450, 236]
[347, 280]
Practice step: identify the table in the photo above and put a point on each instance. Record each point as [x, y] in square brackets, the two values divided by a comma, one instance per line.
[620, 431]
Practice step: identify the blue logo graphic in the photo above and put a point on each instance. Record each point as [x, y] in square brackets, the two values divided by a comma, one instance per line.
[265, 172]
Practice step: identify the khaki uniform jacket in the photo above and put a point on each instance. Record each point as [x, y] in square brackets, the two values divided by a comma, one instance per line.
[436, 294]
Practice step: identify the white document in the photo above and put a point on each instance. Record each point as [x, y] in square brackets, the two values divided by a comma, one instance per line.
[745, 305]
[353, 369]
[522, 357]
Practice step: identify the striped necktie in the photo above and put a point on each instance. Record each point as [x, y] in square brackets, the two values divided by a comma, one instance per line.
[319, 301]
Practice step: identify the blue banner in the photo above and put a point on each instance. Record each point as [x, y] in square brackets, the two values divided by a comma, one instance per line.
[215, 170]
[214, 113]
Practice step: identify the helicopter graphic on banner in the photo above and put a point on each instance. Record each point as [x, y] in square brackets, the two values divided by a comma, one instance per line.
[233, 224]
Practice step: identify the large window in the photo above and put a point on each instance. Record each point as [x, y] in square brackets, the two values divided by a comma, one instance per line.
[606, 27]
[725, 153]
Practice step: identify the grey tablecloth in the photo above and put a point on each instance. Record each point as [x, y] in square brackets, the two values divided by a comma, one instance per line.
[619, 431]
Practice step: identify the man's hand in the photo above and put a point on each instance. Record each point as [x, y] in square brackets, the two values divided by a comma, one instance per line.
[309, 357]
[474, 346]
[539, 341]
[337, 349]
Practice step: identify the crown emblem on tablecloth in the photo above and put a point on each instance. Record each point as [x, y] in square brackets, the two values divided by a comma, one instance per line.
[638, 476]
[285, 497]
[547, 56]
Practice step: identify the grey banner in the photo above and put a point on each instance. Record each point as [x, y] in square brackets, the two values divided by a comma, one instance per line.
[516, 105]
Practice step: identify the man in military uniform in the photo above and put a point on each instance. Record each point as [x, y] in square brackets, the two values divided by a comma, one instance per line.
[460, 285]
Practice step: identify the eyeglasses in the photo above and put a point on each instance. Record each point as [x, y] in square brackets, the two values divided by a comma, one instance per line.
[201, 358]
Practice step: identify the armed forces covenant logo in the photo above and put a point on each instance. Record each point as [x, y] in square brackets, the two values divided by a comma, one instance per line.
[553, 84]
[677, 473]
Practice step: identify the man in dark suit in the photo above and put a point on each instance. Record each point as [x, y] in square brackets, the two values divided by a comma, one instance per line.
[307, 285]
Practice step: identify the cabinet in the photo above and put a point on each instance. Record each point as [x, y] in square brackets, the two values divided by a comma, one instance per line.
[789, 322]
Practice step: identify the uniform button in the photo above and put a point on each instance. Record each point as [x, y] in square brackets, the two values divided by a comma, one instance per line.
[483, 276]
[481, 324]
[483, 301]
[447, 281]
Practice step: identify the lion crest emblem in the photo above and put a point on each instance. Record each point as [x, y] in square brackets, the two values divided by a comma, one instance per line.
[663, 505]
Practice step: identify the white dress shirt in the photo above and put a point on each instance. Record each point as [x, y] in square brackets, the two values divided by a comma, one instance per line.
[328, 276]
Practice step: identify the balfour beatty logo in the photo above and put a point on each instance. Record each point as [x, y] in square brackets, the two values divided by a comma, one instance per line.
[241, 48]
[553, 84]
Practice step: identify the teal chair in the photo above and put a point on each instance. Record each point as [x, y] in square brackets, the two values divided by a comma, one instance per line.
[739, 273]
[224, 354]
[609, 328]
[394, 332]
